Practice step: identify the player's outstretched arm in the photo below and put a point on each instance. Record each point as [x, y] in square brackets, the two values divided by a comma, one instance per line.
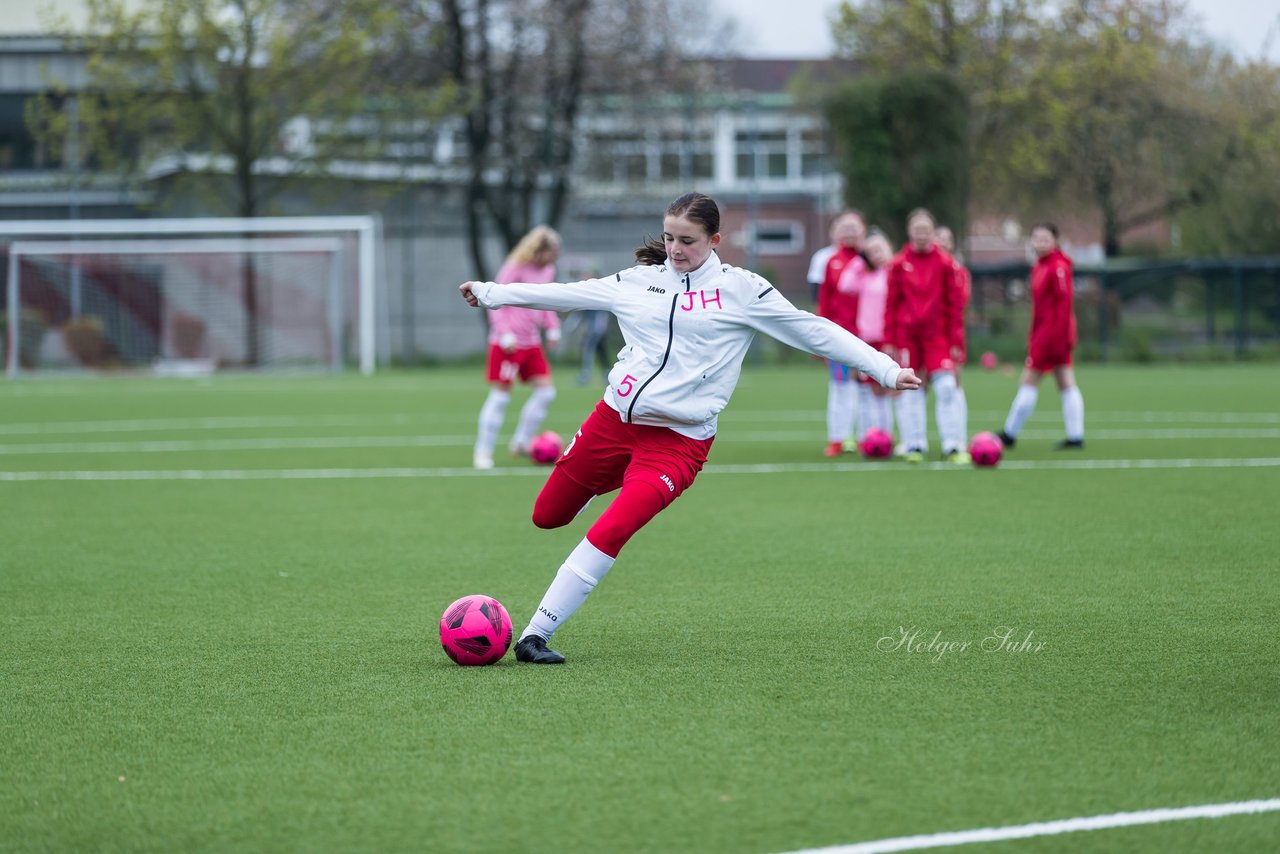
[772, 314]
[907, 380]
[547, 296]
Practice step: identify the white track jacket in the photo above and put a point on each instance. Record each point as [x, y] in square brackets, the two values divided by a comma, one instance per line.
[686, 335]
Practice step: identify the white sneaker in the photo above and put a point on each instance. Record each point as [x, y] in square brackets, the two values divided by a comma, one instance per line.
[518, 450]
[482, 461]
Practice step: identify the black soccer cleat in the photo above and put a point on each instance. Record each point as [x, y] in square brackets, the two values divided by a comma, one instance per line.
[1006, 440]
[532, 649]
[1069, 445]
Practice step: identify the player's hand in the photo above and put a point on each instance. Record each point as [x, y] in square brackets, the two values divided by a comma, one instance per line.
[907, 379]
[465, 290]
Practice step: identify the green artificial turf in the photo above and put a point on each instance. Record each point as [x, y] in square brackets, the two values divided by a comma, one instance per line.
[245, 657]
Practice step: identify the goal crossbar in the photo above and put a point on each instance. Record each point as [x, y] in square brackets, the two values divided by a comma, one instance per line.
[198, 246]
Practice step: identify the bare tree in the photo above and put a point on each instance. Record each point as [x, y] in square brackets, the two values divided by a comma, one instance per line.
[519, 72]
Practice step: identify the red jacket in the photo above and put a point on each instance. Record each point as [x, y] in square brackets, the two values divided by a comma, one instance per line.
[1053, 322]
[840, 307]
[964, 287]
[925, 299]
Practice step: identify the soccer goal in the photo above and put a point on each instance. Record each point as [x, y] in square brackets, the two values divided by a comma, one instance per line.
[190, 296]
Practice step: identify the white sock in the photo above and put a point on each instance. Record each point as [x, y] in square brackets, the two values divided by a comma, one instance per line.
[1073, 413]
[578, 576]
[946, 411]
[840, 410]
[884, 412]
[912, 419]
[491, 415]
[962, 416]
[531, 415]
[1024, 403]
[867, 410]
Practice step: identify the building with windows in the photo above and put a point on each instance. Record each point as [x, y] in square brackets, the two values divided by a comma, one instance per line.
[35, 182]
[761, 154]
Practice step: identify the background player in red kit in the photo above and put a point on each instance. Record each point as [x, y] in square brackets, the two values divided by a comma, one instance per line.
[959, 339]
[688, 320]
[839, 304]
[1050, 342]
[923, 308]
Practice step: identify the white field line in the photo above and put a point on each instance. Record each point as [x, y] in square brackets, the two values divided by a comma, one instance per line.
[314, 383]
[1007, 465]
[286, 443]
[1168, 433]
[1050, 828]
[268, 474]
[278, 444]
[1047, 412]
[221, 422]
[817, 434]
[540, 471]
[817, 418]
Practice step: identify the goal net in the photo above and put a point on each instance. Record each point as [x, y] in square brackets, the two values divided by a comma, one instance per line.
[189, 296]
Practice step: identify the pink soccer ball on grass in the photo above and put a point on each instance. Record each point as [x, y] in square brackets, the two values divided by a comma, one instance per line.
[876, 445]
[475, 630]
[989, 361]
[986, 449]
[545, 448]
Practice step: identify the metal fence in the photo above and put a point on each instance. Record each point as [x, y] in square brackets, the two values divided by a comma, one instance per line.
[1185, 310]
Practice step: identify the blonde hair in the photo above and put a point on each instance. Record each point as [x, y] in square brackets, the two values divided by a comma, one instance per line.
[922, 212]
[540, 239]
[881, 237]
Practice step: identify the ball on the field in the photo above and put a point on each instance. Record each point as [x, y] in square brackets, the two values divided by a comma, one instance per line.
[989, 361]
[475, 630]
[986, 450]
[545, 448]
[876, 445]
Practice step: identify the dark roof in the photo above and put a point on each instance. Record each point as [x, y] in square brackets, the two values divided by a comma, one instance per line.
[775, 75]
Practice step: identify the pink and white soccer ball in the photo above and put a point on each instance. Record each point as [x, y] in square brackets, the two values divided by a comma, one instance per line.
[986, 450]
[876, 445]
[475, 630]
[545, 448]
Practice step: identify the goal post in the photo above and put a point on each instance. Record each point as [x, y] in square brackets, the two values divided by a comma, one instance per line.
[263, 293]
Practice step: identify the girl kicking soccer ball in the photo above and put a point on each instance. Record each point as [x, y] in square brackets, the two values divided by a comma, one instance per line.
[687, 320]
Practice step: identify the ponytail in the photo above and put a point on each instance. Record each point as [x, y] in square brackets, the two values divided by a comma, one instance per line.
[652, 253]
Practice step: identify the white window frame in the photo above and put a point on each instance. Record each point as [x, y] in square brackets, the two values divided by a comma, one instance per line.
[794, 246]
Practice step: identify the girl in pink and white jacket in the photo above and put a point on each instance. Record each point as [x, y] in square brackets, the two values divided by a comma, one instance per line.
[688, 320]
[515, 349]
[869, 283]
